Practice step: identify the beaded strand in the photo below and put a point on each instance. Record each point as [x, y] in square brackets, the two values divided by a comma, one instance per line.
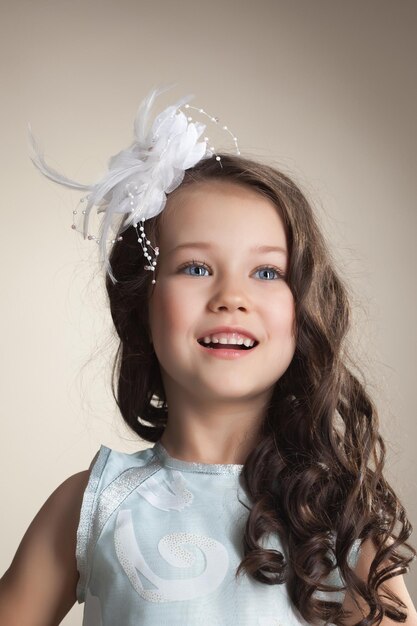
[130, 188]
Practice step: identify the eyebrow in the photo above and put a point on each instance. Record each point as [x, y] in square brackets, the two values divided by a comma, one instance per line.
[208, 246]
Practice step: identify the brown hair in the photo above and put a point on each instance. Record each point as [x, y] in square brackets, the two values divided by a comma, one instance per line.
[315, 475]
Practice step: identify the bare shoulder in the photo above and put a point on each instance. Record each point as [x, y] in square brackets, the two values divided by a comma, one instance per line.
[39, 588]
[395, 584]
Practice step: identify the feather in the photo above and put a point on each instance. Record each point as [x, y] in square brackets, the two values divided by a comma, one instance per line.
[143, 112]
[139, 177]
[38, 160]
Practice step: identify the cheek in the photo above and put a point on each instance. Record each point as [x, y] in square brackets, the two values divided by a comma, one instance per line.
[169, 314]
[281, 316]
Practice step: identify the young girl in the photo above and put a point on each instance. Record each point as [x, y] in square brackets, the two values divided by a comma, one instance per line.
[262, 501]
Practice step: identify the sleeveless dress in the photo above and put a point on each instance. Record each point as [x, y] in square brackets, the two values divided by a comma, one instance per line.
[159, 541]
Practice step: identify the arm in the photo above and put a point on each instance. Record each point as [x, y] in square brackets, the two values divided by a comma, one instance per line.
[395, 584]
[39, 587]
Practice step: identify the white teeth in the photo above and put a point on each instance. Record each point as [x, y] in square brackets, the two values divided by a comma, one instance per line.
[230, 341]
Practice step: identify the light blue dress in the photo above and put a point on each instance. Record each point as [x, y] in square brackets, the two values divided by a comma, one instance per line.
[159, 541]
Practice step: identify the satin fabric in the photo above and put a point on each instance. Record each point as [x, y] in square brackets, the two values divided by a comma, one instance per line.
[159, 541]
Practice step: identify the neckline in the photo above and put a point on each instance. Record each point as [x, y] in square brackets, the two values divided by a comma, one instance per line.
[193, 466]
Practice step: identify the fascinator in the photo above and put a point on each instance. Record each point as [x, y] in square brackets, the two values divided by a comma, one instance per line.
[138, 179]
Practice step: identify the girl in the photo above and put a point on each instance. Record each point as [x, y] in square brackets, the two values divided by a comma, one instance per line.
[262, 500]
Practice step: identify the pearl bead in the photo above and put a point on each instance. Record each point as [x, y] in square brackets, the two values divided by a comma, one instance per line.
[132, 189]
[153, 282]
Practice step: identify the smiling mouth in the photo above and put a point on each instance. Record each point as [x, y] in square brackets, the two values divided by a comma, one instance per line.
[226, 346]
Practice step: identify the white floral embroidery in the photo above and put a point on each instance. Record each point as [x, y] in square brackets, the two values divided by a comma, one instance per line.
[170, 495]
[172, 549]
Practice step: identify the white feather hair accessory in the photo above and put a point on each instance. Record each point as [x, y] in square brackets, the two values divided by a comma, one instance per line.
[139, 178]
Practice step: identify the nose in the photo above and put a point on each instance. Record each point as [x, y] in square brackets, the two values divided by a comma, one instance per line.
[229, 295]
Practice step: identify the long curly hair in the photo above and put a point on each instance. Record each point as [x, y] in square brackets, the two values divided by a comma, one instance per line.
[316, 478]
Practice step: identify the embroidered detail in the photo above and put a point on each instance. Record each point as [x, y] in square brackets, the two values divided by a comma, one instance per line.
[115, 493]
[172, 548]
[170, 495]
[83, 549]
[160, 451]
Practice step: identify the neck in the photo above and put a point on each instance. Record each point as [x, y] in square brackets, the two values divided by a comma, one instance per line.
[202, 437]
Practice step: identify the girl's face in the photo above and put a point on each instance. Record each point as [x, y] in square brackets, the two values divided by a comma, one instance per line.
[211, 275]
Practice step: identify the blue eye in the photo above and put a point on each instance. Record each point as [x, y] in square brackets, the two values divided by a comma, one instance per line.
[199, 266]
[270, 270]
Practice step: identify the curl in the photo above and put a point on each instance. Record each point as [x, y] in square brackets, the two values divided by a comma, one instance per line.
[316, 477]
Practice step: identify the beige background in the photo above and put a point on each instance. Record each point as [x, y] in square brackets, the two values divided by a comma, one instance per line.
[325, 89]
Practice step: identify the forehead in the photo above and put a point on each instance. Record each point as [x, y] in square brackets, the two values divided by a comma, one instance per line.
[221, 211]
